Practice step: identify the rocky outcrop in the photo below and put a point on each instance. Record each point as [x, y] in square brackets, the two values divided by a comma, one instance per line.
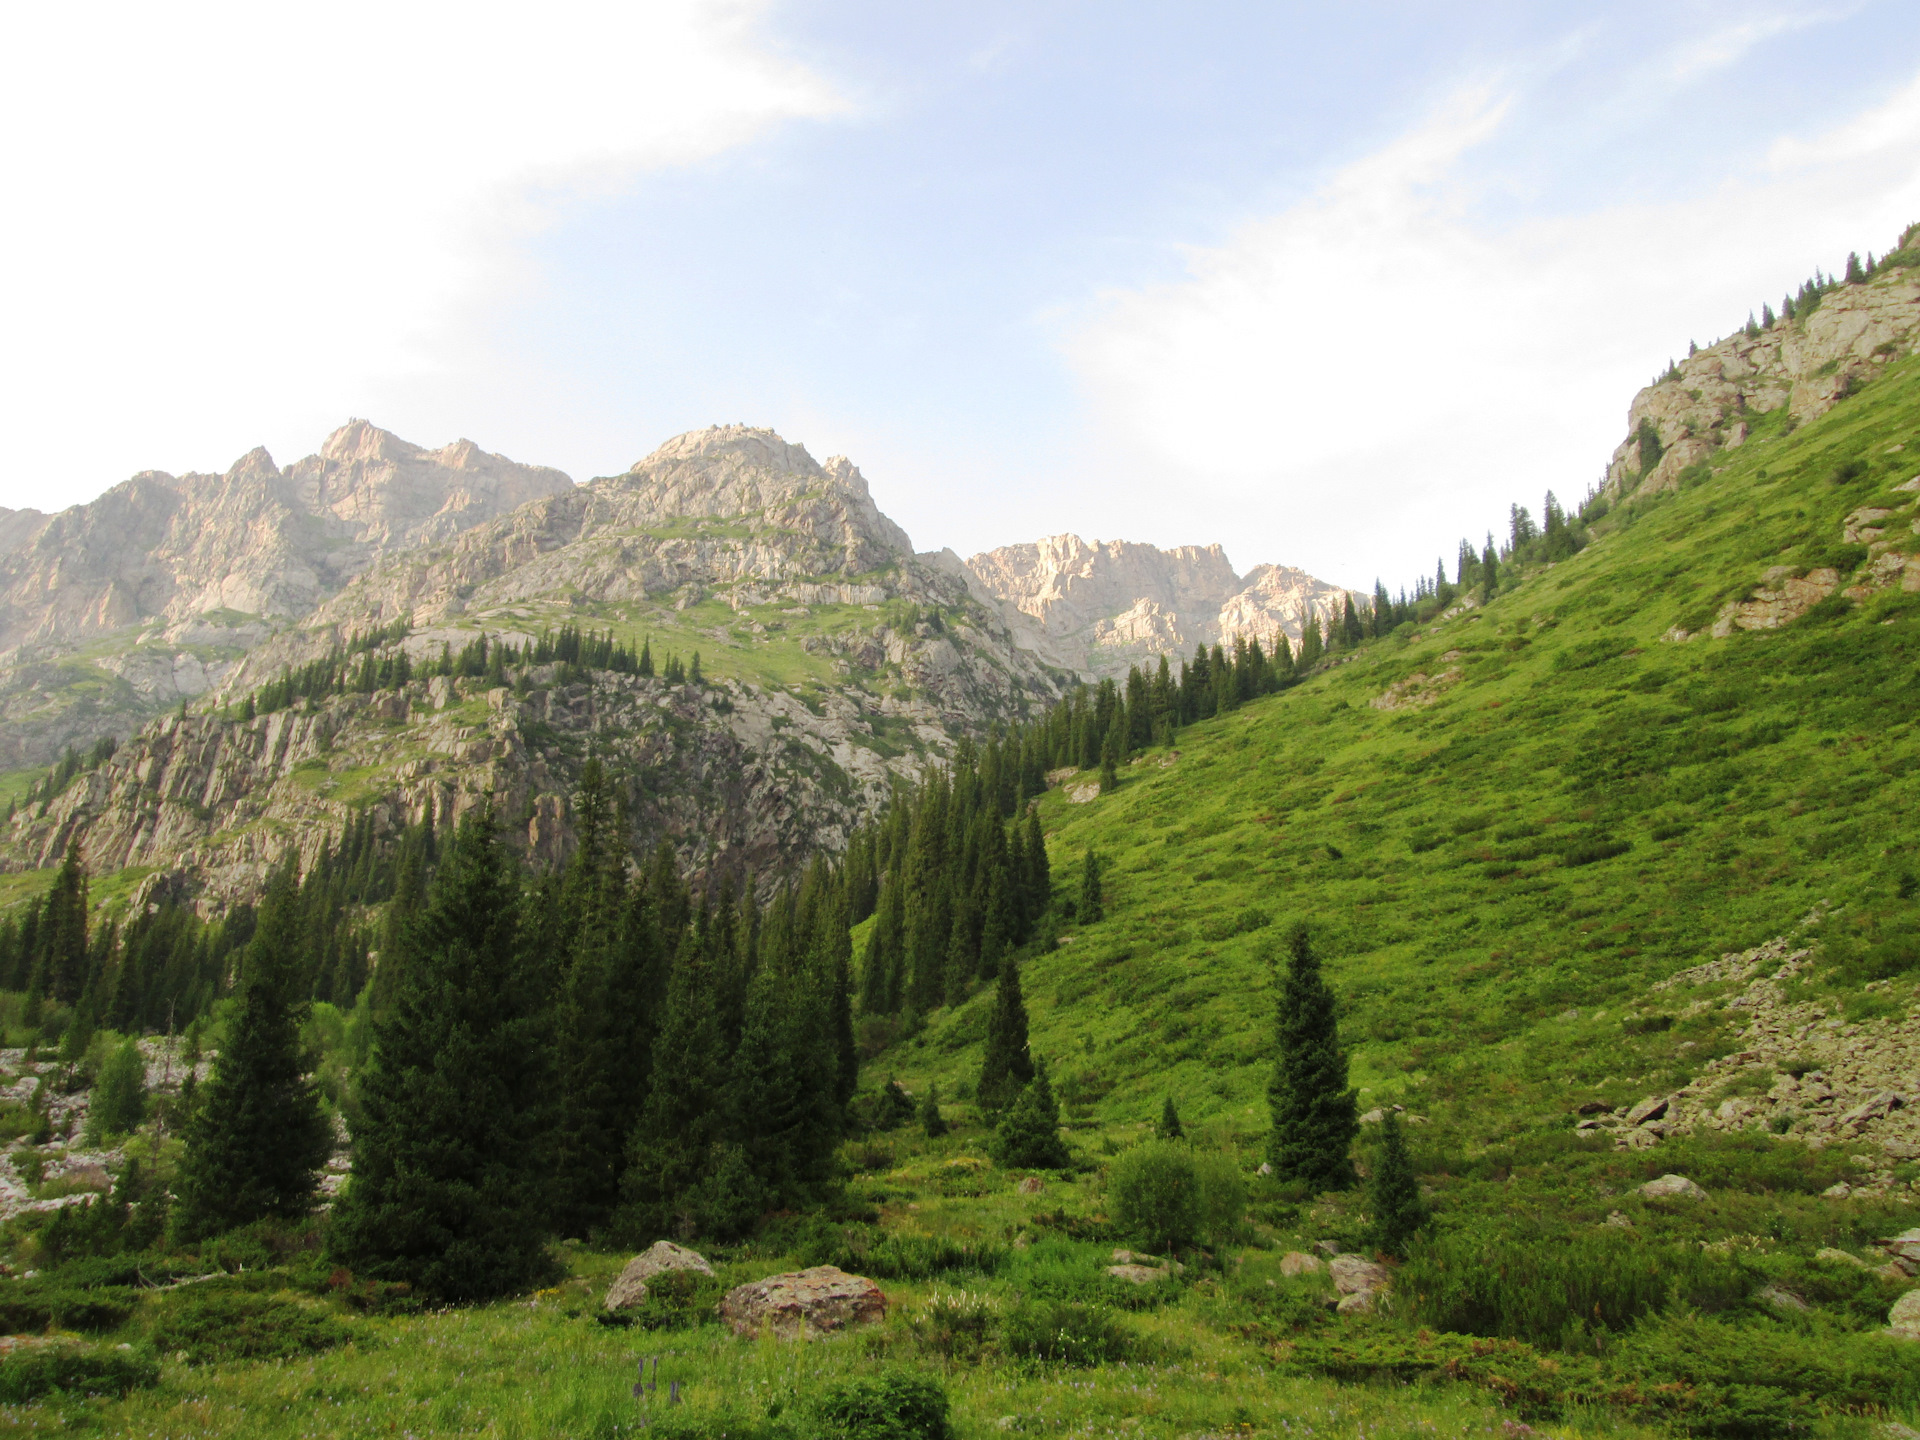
[867, 661]
[169, 580]
[804, 1303]
[1106, 605]
[630, 1286]
[741, 779]
[1799, 1073]
[1808, 364]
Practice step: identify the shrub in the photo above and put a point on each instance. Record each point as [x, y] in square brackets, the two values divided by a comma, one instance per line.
[1063, 1332]
[920, 1257]
[120, 1095]
[956, 1325]
[34, 1371]
[680, 1300]
[1153, 1194]
[28, 1307]
[889, 1407]
[1553, 1291]
[211, 1323]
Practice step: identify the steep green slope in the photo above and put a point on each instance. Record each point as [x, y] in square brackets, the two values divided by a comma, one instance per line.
[1582, 808]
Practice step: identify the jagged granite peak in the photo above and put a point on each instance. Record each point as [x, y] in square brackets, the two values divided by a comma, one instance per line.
[742, 470]
[1717, 395]
[168, 579]
[1105, 605]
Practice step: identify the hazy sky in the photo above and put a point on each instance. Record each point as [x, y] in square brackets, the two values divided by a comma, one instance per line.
[1330, 284]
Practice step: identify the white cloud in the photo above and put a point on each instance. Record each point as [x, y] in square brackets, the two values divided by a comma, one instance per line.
[226, 220]
[1354, 383]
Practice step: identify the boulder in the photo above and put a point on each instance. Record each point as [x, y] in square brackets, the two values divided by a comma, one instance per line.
[1651, 1108]
[1904, 1246]
[1360, 1302]
[1840, 1257]
[663, 1255]
[1781, 1298]
[1137, 1274]
[1839, 1190]
[1373, 1117]
[1619, 1221]
[803, 1303]
[1298, 1262]
[1032, 1185]
[1672, 1187]
[1885, 1103]
[1328, 1248]
[1904, 1319]
[1352, 1274]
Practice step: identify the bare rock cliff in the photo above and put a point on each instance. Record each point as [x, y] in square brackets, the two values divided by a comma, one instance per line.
[1105, 605]
[1804, 366]
[113, 610]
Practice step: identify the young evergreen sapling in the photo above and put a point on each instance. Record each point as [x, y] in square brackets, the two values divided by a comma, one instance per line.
[1029, 1136]
[1393, 1190]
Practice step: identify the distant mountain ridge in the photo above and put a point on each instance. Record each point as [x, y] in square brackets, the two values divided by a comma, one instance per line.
[1107, 605]
[116, 609]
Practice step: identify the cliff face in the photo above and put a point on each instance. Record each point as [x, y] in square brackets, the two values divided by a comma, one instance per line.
[740, 779]
[1805, 366]
[835, 661]
[1104, 606]
[115, 609]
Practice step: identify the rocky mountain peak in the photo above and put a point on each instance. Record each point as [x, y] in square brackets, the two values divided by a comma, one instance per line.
[1109, 604]
[745, 471]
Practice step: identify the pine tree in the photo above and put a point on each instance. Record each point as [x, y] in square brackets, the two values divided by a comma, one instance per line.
[1314, 1118]
[1028, 1137]
[259, 1138]
[1393, 1191]
[1007, 1065]
[645, 668]
[448, 1192]
[931, 1120]
[62, 971]
[1311, 646]
[675, 1148]
[1169, 1127]
[1090, 909]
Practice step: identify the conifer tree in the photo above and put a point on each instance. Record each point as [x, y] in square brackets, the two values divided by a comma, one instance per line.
[1169, 1127]
[1007, 1065]
[931, 1120]
[1314, 1118]
[1039, 875]
[1090, 909]
[449, 1190]
[674, 1149]
[1028, 1137]
[62, 971]
[836, 964]
[880, 966]
[1393, 1191]
[1311, 646]
[645, 667]
[259, 1137]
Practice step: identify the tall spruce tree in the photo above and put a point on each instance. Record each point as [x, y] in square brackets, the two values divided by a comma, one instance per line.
[675, 1150]
[1090, 908]
[1393, 1190]
[449, 1180]
[1028, 1136]
[1007, 1065]
[1169, 1127]
[259, 1136]
[1314, 1115]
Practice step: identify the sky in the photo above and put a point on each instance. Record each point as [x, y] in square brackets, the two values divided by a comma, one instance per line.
[1331, 285]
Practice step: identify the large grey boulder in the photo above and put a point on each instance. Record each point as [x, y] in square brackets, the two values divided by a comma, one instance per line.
[803, 1303]
[663, 1255]
[1672, 1187]
[1904, 1319]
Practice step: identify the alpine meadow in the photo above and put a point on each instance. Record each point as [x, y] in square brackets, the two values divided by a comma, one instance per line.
[662, 954]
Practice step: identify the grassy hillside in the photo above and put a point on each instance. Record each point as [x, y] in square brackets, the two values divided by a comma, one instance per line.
[1497, 876]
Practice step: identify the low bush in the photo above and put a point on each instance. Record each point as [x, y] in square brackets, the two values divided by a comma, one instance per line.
[28, 1307]
[1564, 1291]
[680, 1300]
[888, 1407]
[32, 1372]
[210, 1322]
[956, 1325]
[1062, 1332]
